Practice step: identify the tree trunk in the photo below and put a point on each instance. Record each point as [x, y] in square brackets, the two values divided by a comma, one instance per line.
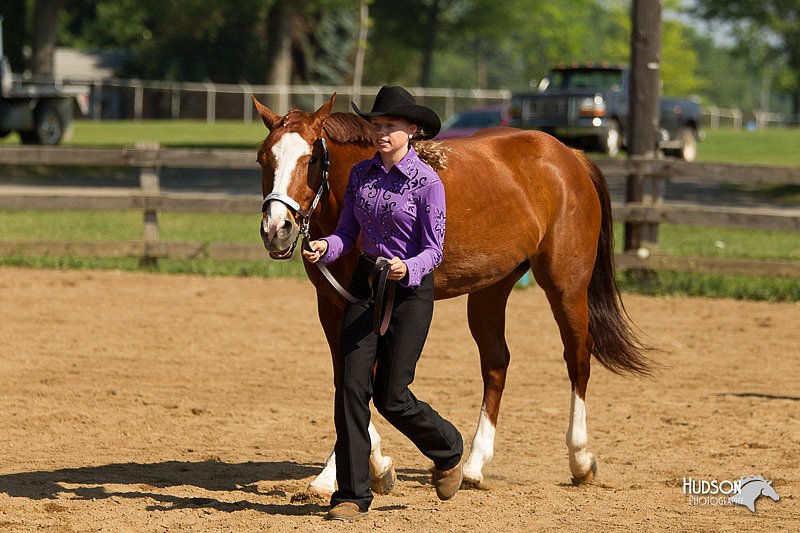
[279, 46]
[45, 29]
[361, 51]
[482, 71]
[429, 44]
[14, 34]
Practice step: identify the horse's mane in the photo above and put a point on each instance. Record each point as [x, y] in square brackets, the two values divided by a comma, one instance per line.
[347, 128]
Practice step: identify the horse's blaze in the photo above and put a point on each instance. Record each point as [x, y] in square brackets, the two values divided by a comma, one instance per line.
[286, 152]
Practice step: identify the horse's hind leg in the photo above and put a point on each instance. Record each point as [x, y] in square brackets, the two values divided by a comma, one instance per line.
[486, 312]
[568, 299]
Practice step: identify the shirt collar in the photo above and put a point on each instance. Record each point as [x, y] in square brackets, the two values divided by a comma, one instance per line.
[405, 166]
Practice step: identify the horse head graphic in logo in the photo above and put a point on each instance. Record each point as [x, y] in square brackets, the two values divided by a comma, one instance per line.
[752, 488]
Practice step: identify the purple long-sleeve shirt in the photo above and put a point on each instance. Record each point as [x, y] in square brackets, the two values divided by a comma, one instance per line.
[399, 212]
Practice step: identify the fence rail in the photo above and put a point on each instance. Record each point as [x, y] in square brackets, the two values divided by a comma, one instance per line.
[150, 200]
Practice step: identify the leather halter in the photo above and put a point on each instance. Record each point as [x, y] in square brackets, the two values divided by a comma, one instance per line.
[385, 288]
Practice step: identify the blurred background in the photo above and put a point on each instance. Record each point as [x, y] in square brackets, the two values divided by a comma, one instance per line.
[199, 59]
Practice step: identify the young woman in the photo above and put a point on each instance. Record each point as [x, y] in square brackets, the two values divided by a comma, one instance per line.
[396, 203]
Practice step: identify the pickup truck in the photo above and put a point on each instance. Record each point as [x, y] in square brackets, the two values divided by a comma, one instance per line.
[40, 112]
[587, 106]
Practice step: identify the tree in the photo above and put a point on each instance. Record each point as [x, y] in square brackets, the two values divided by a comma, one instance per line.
[45, 30]
[14, 34]
[430, 31]
[771, 26]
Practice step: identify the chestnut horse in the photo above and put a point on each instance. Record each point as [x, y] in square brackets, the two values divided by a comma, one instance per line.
[515, 200]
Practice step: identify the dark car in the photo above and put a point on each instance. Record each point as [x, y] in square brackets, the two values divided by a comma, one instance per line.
[471, 120]
[587, 106]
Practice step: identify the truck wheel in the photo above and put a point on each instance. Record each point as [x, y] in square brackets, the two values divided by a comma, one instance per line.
[49, 127]
[688, 149]
[612, 141]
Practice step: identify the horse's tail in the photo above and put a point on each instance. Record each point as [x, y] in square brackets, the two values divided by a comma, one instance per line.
[616, 345]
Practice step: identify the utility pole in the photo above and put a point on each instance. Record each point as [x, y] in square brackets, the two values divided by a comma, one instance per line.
[644, 113]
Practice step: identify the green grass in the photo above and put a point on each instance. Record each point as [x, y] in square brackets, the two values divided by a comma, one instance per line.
[713, 286]
[179, 133]
[74, 226]
[774, 146]
[201, 267]
[731, 243]
[701, 241]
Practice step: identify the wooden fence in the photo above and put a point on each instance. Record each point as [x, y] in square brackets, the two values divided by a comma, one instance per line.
[150, 200]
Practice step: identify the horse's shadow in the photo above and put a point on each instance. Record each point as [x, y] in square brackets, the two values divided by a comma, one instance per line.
[92, 482]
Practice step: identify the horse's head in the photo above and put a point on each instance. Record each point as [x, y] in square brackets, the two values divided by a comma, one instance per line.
[291, 159]
[768, 491]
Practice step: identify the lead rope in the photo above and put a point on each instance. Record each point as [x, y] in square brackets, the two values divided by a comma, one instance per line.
[385, 289]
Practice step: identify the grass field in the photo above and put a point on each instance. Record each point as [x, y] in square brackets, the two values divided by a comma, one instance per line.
[770, 147]
[674, 239]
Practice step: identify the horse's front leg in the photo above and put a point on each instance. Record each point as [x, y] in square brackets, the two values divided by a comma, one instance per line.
[380, 466]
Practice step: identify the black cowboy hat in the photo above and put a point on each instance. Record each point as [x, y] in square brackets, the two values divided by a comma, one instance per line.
[394, 101]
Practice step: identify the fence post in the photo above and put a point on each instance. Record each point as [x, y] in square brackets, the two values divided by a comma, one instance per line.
[652, 195]
[150, 184]
[138, 100]
[175, 101]
[211, 102]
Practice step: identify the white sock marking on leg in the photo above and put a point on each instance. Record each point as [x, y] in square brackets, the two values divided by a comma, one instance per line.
[378, 464]
[326, 480]
[482, 449]
[580, 460]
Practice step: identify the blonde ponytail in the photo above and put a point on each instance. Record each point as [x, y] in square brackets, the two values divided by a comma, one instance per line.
[433, 153]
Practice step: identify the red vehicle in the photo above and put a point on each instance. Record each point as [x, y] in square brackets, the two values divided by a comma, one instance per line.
[471, 120]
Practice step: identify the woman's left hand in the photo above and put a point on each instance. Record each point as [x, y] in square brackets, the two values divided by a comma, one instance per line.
[398, 269]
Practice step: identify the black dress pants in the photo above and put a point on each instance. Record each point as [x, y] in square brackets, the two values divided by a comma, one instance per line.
[396, 354]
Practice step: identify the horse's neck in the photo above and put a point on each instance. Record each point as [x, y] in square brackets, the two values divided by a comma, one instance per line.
[342, 158]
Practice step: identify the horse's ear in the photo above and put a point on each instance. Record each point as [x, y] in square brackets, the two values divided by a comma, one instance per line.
[323, 112]
[269, 118]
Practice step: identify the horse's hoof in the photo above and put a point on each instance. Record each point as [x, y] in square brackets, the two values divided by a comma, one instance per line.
[471, 483]
[385, 483]
[588, 477]
[312, 495]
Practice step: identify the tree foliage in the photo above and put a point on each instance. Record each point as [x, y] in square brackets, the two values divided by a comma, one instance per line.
[453, 43]
[767, 33]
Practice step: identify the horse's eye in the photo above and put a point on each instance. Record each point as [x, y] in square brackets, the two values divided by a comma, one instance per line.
[312, 160]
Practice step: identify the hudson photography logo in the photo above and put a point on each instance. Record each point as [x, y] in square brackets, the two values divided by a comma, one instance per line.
[744, 491]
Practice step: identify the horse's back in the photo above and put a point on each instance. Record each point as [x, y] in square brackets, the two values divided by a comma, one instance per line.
[508, 191]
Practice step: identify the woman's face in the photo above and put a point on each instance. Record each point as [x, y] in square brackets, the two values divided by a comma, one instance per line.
[391, 134]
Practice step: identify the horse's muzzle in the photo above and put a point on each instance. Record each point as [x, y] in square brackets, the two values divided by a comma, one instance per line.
[280, 244]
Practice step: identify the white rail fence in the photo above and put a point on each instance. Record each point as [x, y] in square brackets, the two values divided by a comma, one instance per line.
[119, 98]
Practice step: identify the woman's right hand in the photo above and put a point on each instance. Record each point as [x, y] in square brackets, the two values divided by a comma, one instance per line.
[318, 248]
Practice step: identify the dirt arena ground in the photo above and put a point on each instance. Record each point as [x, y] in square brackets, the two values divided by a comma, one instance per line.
[138, 402]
